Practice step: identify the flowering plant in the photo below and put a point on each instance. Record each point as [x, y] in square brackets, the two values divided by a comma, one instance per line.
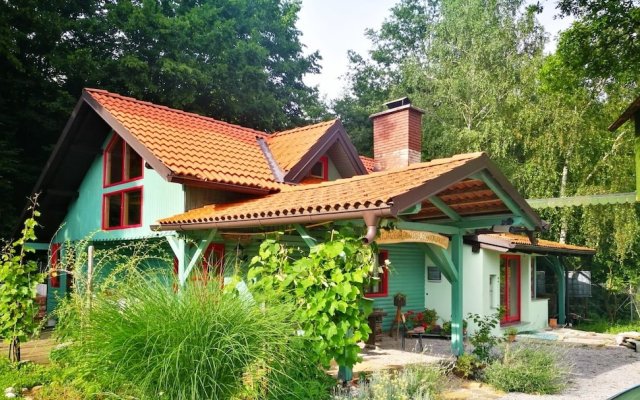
[426, 319]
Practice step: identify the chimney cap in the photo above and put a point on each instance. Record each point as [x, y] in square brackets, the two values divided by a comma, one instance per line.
[402, 101]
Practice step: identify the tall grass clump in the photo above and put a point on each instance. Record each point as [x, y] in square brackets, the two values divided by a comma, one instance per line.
[201, 342]
[528, 369]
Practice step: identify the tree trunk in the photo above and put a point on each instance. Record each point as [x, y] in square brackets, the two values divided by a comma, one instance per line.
[14, 350]
[564, 220]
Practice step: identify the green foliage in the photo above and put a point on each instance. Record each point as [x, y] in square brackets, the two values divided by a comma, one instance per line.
[141, 337]
[19, 278]
[482, 338]
[604, 326]
[415, 382]
[327, 287]
[25, 375]
[535, 370]
[467, 366]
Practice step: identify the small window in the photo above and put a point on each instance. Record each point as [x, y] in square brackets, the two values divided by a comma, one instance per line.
[379, 286]
[122, 209]
[434, 274]
[121, 163]
[320, 169]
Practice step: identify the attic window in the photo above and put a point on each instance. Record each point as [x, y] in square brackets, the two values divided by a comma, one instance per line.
[121, 163]
[320, 169]
[122, 209]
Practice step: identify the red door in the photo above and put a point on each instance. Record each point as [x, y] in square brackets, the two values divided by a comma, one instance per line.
[213, 262]
[510, 287]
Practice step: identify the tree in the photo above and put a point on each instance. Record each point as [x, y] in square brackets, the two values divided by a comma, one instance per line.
[238, 61]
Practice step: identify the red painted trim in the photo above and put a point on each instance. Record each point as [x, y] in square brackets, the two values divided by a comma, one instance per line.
[325, 169]
[508, 318]
[121, 192]
[54, 275]
[105, 162]
[384, 282]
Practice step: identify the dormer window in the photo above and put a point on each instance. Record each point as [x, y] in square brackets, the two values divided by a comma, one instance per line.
[320, 169]
[121, 163]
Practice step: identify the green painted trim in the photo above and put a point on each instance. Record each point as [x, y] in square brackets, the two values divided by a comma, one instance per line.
[457, 324]
[443, 261]
[309, 240]
[442, 206]
[591, 200]
[561, 279]
[36, 246]
[506, 199]
[426, 227]
[195, 256]
[414, 209]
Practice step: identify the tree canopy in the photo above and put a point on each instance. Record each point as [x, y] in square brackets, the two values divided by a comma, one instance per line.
[238, 61]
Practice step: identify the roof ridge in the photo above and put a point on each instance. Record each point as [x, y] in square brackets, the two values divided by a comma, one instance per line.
[302, 128]
[372, 175]
[177, 111]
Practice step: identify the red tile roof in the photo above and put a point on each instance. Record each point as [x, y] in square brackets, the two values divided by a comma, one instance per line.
[522, 240]
[288, 147]
[369, 163]
[375, 191]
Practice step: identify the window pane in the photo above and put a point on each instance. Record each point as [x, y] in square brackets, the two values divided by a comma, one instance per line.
[134, 164]
[514, 286]
[133, 207]
[318, 170]
[114, 161]
[113, 210]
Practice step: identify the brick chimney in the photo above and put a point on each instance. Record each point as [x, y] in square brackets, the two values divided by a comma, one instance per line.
[397, 135]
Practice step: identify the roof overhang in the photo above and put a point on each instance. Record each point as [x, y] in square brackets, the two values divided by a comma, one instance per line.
[505, 245]
[628, 114]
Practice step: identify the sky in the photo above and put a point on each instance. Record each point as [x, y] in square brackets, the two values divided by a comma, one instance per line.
[335, 26]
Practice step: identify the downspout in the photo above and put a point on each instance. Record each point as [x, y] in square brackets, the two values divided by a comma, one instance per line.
[371, 220]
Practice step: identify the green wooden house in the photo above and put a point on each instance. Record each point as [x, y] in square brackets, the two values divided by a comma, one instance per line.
[464, 238]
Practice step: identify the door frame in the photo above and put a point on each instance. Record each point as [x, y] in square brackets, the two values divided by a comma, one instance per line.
[507, 318]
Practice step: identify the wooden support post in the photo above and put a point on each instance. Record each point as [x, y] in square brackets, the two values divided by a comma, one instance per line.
[457, 326]
[179, 250]
[561, 279]
[309, 240]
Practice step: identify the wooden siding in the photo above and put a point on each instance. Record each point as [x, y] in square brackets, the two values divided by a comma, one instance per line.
[84, 216]
[406, 276]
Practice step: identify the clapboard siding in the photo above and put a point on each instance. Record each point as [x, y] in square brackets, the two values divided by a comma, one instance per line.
[406, 276]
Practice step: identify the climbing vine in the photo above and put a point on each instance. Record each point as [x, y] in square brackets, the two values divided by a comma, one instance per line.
[327, 286]
[18, 280]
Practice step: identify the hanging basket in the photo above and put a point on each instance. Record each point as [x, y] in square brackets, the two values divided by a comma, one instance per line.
[400, 300]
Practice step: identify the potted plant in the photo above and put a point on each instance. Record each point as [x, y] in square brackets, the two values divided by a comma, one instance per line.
[511, 333]
[400, 300]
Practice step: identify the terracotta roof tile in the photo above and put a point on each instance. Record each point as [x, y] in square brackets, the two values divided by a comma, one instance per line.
[190, 145]
[516, 239]
[373, 191]
[288, 147]
[369, 163]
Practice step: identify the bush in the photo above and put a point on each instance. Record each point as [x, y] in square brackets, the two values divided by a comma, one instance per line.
[482, 339]
[533, 370]
[467, 366]
[201, 342]
[415, 382]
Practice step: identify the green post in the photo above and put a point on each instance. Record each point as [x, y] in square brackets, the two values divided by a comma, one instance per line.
[345, 373]
[457, 327]
[637, 149]
[562, 289]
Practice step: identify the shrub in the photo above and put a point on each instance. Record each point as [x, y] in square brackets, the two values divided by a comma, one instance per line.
[482, 339]
[202, 342]
[467, 366]
[415, 382]
[533, 370]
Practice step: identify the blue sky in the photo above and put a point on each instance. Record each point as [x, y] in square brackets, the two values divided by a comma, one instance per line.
[335, 26]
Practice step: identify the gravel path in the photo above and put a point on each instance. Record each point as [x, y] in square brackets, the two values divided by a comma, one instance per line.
[597, 373]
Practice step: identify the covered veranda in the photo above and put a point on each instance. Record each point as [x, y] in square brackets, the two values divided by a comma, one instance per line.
[450, 197]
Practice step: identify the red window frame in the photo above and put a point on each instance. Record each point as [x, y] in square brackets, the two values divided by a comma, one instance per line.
[508, 318]
[54, 275]
[324, 160]
[106, 163]
[121, 193]
[383, 287]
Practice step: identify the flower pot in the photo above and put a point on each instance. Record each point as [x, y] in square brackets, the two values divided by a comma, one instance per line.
[511, 338]
[553, 323]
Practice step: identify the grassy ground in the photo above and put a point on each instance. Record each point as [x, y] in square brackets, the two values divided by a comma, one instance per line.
[603, 326]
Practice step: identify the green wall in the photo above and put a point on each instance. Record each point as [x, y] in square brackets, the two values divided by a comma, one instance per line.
[406, 276]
